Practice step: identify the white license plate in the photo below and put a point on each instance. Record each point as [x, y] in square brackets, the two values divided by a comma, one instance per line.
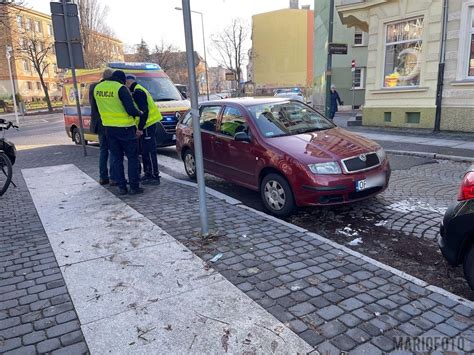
[174, 137]
[370, 182]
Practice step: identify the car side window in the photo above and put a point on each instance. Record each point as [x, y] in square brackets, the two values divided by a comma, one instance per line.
[208, 118]
[187, 119]
[233, 121]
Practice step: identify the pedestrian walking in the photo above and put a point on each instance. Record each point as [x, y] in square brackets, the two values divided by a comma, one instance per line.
[96, 127]
[335, 100]
[148, 125]
[118, 112]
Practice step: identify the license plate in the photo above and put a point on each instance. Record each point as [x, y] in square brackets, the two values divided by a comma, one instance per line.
[370, 182]
[174, 137]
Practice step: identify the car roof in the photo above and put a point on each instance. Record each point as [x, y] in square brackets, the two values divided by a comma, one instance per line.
[246, 101]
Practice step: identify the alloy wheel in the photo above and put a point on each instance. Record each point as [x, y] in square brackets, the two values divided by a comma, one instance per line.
[275, 195]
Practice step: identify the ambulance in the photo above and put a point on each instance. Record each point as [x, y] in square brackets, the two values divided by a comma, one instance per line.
[150, 75]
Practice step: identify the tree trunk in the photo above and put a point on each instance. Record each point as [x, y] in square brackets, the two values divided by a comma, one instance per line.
[46, 95]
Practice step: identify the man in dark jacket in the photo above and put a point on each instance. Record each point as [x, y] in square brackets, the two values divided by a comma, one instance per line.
[335, 100]
[118, 113]
[96, 127]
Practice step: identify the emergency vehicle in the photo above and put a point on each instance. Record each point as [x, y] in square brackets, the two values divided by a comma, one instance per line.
[150, 75]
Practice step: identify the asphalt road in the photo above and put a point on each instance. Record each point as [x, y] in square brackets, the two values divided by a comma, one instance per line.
[398, 227]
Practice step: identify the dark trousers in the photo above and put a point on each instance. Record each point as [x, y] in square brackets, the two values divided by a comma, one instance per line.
[332, 113]
[104, 158]
[124, 142]
[149, 158]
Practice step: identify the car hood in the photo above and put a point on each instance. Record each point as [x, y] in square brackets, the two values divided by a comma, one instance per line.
[173, 106]
[329, 145]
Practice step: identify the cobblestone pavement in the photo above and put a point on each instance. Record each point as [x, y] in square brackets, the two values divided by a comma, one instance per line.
[334, 300]
[36, 312]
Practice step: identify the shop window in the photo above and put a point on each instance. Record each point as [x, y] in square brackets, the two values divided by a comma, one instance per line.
[413, 117]
[403, 44]
[359, 78]
[387, 117]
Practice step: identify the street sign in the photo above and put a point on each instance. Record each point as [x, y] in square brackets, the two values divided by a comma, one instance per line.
[60, 37]
[337, 48]
[230, 76]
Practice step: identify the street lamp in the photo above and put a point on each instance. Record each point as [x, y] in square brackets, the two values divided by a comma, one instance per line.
[204, 45]
[9, 55]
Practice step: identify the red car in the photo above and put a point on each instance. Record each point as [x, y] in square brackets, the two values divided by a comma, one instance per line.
[286, 150]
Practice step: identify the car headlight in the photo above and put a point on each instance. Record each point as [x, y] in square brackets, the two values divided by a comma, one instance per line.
[329, 168]
[381, 154]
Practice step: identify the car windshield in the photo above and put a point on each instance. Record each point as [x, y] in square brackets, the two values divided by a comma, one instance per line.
[161, 89]
[287, 118]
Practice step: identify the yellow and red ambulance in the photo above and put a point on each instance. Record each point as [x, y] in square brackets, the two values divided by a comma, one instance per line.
[150, 75]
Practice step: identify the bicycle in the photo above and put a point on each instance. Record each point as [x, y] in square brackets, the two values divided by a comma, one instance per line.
[7, 157]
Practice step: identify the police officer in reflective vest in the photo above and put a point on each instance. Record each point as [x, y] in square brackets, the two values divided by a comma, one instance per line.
[145, 103]
[118, 113]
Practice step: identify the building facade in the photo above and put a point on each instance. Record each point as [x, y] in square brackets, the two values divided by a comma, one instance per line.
[282, 55]
[404, 53]
[21, 28]
[342, 75]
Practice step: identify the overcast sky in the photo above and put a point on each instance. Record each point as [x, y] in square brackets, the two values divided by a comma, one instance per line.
[154, 20]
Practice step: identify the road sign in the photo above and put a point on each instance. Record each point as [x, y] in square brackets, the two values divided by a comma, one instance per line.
[353, 65]
[337, 48]
[230, 76]
[60, 36]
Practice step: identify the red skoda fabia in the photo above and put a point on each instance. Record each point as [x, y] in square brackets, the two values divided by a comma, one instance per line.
[286, 150]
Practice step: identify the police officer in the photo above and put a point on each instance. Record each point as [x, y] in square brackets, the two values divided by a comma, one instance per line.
[147, 124]
[118, 113]
[96, 127]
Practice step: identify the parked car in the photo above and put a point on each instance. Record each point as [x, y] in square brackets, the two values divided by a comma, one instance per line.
[286, 150]
[456, 239]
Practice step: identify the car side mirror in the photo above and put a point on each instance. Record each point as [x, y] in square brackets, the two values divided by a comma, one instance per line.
[242, 137]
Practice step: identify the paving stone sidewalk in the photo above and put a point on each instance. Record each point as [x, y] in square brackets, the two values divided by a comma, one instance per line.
[333, 300]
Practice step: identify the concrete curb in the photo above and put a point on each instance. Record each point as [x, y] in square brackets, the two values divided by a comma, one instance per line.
[338, 246]
[456, 158]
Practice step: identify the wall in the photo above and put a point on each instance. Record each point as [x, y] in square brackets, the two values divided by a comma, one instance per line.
[281, 42]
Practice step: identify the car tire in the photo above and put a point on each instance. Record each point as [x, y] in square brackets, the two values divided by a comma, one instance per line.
[468, 266]
[189, 164]
[76, 136]
[277, 196]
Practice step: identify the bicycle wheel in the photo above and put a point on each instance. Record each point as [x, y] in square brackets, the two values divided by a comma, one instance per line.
[6, 172]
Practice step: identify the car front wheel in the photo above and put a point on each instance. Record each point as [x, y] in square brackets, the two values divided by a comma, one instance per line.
[76, 136]
[189, 164]
[277, 196]
[469, 266]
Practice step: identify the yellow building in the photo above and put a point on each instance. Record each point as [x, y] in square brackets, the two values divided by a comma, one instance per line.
[403, 56]
[19, 28]
[282, 49]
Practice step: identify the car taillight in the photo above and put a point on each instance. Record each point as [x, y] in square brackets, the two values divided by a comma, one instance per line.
[466, 192]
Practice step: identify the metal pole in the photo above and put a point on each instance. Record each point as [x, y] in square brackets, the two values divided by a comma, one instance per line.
[442, 60]
[205, 55]
[188, 32]
[329, 58]
[353, 92]
[8, 53]
[74, 79]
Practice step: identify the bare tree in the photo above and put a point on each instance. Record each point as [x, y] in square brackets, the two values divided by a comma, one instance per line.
[97, 41]
[229, 45]
[36, 50]
[163, 54]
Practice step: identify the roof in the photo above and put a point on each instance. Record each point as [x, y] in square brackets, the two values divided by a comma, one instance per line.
[248, 101]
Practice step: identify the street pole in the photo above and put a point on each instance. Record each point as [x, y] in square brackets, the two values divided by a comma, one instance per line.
[205, 54]
[74, 79]
[329, 58]
[204, 46]
[188, 32]
[441, 68]
[353, 92]
[9, 55]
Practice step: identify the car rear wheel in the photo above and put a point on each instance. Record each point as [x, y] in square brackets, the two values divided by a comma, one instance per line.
[277, 196]
[469, 266]
[189, 164]
[76, 136]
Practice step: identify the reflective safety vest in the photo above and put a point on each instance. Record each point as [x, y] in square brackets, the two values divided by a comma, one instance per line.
[112, 112]
[154, 115]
